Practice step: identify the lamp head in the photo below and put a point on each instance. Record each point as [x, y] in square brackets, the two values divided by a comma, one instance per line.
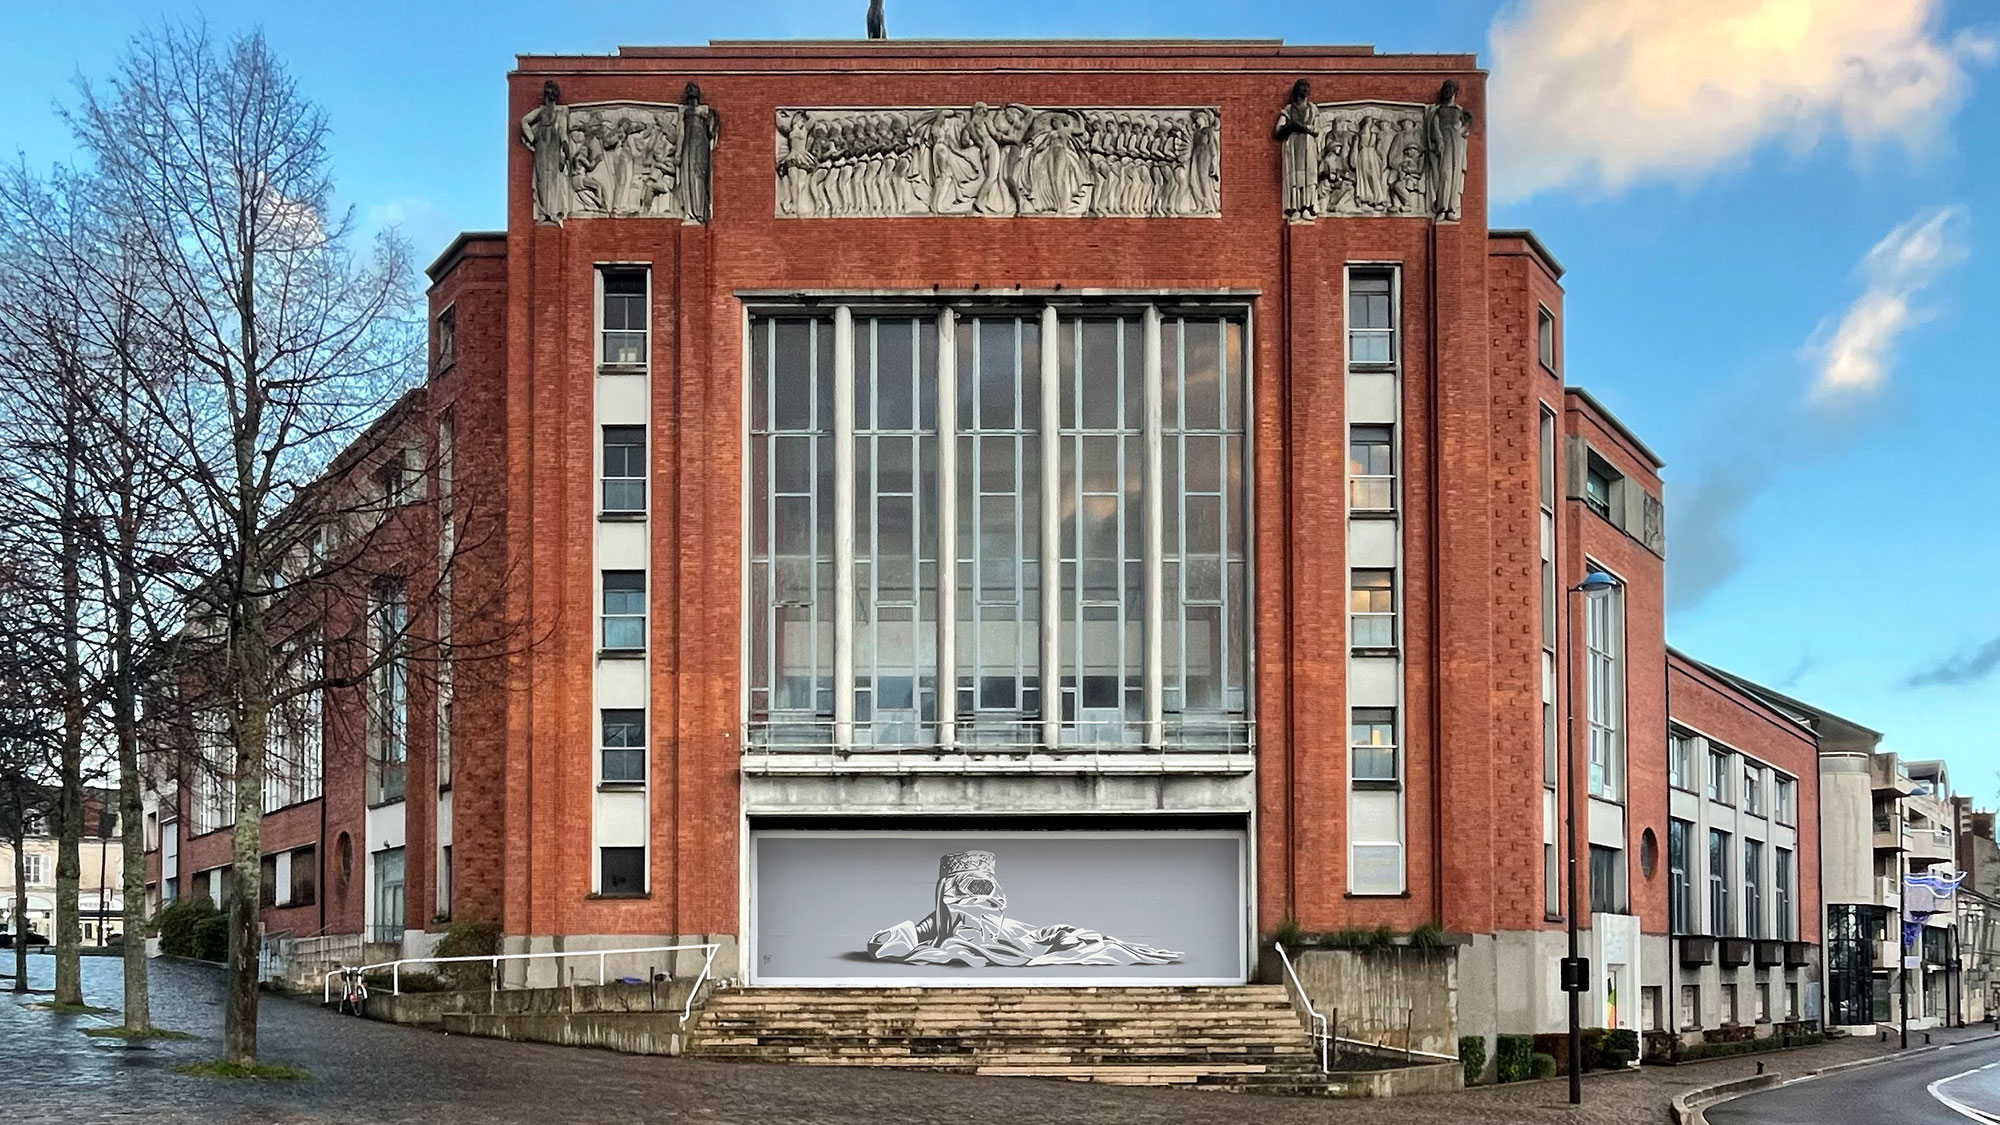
[1597, 582]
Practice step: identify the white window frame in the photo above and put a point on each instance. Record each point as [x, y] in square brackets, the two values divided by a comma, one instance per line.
[1605, 696]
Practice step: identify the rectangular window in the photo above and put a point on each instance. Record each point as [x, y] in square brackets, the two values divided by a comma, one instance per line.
[1371, 606]
[624, 317]
[1786, 928]
[1604, 489]
[1371, 323]
[896, 533]
[1753, 790]
[1680, 886]
[1720, 922]
[792, 527]
[1753, 888]
[444, 882]
[1374, 743]
[1550, 600]
[1371, 468]
[447, 338]
[1551, 882]
[1605, 684]
[444, 736]
[1690, 1007]
[305, 876]
[1785, 799]
[1729, 1009]
[1718, 775]
[1791, 1001]
[1763, 1002]
[267, 881]
[624, 744]
[389, 689]
[1545, 338]
[625, 610]
[1650, 1013]
[38, 869]
[621, 872]
[389, 912]
[624, 469]
[1680, 760]
[1607, 880]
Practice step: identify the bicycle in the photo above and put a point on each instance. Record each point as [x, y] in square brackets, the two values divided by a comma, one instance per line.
[353, 992]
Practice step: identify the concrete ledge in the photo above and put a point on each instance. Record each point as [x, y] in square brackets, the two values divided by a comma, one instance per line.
[433, 1009]
[658, 1033]
[1436, 1078]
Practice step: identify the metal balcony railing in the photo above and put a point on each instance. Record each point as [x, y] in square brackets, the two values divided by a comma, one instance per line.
[1181, 743]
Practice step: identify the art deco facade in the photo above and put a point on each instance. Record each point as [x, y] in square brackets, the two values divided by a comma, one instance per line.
[1119, 473]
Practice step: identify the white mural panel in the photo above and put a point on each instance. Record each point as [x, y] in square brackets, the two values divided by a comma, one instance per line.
[944, 908]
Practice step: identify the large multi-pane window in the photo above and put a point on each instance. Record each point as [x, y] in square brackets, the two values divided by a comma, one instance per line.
[1550, 602]
[1720, 922]
[1036, 498]
[1371, 323]
[624, 317]
[1680, 888]
[1605, 684]
[389, 692]
[1781, 895]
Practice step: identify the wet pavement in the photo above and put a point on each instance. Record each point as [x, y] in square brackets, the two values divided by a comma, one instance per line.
[373, 1072]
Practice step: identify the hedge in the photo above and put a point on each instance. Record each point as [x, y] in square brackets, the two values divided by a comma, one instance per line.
[1514, 1061]
[1542, 1066]
[180, 926]
[211, 938]
[1472, 1053]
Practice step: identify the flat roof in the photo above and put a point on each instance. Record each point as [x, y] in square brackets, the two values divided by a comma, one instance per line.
[1534, 243]
[1617, 427]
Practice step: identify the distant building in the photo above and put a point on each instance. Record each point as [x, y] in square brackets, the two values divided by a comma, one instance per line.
[100, 874]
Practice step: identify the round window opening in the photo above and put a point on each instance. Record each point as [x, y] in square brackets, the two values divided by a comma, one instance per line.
[1649, 853]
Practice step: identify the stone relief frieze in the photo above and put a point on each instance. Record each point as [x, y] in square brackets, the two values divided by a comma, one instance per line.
[1373, 158]
[999, 160]
[621, 160]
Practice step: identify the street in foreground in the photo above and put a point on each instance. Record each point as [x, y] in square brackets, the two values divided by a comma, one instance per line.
[1945, 1087]
[371, 1072]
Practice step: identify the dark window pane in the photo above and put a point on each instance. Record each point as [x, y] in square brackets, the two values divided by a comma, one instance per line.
[622, 871]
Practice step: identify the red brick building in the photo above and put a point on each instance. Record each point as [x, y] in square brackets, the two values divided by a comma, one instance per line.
[929, 468]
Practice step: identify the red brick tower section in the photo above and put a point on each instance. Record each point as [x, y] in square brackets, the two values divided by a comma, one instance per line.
[1295, 275]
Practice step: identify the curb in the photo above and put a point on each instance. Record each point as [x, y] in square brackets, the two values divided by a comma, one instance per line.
[1685, 1110]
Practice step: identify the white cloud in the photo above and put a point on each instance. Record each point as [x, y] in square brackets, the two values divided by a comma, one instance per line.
[1855, 355]
[1603, 93]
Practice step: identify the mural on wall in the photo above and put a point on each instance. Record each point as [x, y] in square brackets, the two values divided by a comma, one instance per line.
[1083, 907]
[969, 926]
[999, 160]
[1353, 159]
[621, 160]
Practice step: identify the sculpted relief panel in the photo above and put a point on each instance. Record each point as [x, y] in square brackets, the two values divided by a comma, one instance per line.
[998, 161]
[596, 160]
[1374, 158]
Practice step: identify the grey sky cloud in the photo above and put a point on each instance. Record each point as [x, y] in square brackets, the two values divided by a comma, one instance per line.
[1964, 667]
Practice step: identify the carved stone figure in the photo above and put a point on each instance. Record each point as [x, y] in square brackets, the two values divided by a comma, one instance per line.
[878, 25]
[618, 159]
[1374, 158]
[968, 925]
[998, 160]
[1449, 130]
[1299, 129]
[699, 132]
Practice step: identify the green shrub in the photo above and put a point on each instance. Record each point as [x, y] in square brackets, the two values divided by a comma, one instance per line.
[1619, 1050]
[1513, 1061]
[1430, 935]
[469, 938]
[1541, 1065]
[1472, 1053]
[211, 938]
[1723, 1050]
[178, 923]
[1290, 934]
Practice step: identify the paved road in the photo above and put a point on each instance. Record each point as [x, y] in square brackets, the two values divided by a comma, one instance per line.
[1944, 1087]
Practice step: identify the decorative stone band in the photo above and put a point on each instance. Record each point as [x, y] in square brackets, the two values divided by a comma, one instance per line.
[1374, 158]
[995, 161]
[620, 160]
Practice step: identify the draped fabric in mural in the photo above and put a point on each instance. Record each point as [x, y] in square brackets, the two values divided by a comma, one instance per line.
[969, 926]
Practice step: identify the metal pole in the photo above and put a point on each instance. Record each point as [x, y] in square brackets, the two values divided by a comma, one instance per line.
[1903, 924]
[1569, 787]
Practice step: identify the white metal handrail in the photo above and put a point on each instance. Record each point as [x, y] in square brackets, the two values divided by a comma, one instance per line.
[1323, 1033]
[396, 967]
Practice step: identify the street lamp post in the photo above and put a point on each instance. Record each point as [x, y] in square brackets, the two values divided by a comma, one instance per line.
[1576, 974]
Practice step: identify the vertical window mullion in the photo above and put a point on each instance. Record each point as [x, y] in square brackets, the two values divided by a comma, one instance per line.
[1051, 544]
[947, 529]
[1155, 532]
[843, 524]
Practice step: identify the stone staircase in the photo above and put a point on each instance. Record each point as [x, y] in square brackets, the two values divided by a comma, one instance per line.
[1242, 1037]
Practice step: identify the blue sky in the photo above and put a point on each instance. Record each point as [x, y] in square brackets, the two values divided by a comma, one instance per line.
[1778, 218]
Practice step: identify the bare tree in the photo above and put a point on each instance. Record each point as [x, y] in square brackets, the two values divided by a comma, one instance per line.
[295, 344]
[29, 728]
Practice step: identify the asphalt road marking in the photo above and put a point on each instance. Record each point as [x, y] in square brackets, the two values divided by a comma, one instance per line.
[1936, 1091]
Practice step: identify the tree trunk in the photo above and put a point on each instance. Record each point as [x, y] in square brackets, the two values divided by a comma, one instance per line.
[251, 723]
[138, 1000]
[21, 910]
[69, 824]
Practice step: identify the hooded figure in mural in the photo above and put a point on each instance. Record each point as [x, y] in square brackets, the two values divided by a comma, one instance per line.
[969, 926]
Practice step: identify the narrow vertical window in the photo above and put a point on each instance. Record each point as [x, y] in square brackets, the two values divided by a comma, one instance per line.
[623, 744]
[1680, 759]
[447, 337]
[1720, 922]
[1753, 888]
[389, 690]
[1371, 609]
[895, 531]
[1546, 457]
[625, 610]
[1786, 927]
[1545, 337]
[999, 557]
[1373, 738]
[1605, 684]
[1204, 400]
[624, 318]
[624, 469]
[1371, 468]
[1680, 888]
[1371, 331]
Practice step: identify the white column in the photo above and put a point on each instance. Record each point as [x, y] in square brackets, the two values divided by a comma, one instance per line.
[1051, 531]
[1155, 532]
[947, 528]
[843, 527]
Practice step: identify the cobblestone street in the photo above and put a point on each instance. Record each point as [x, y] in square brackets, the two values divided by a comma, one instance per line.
[371, 1072]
